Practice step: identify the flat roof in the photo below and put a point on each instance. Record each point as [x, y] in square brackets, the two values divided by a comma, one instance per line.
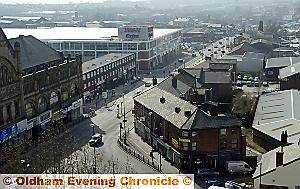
[289, 71]
[277, 112]
[282, 62]
[75, 33]
[102, 61]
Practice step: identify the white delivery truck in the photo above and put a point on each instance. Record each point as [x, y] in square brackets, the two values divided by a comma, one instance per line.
[239, 167]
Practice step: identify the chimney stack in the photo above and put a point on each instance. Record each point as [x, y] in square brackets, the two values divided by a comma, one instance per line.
[284, 136]
[174, 82]
[279, 159]
[154, 80]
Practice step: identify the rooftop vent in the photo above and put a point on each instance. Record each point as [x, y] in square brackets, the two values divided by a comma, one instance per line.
[162, 100]
[177, 110]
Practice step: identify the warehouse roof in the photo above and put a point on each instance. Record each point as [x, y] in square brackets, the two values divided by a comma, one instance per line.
[282, 62]
[277, 112]
[291, 154]
[289, 71]
[75, 33]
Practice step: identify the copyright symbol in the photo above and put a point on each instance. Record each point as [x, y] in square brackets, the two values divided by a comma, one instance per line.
[7, 181]
[187, 180]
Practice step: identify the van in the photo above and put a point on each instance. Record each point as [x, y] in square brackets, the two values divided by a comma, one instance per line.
[180, 60]
[238, 167]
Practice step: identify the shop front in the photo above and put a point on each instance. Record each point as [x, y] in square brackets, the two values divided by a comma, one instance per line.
[76, 110]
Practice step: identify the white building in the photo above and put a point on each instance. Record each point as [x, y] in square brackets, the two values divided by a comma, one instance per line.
[279, 168]
[153, 46]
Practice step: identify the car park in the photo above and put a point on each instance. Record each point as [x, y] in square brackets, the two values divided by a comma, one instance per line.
[249, 84]
[256, 83]
[204, 172]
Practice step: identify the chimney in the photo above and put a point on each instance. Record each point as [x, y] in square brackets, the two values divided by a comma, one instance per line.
[162, 100]
[283, 137]
[154, 80]
[279, 159]
[174, 82]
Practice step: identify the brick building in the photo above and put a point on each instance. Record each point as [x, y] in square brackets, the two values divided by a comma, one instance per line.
[107, 72]
[184, 134]
[40, 90]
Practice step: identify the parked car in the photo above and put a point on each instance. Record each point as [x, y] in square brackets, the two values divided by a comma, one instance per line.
[147, 84]
[265, 84]
[256, 83]
[214, 182]
[245, 78]
[249, 84]
[239, 83]
[96, 140]
[234, 185]
[180, 60]
[238, 167]
[250, 79]
[194, 55]
[256, 79]
[239, 77]
[204, 172]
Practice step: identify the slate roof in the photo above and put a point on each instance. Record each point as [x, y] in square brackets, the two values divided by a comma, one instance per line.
[282, 62]
[34, 52]
[209, 77]
[166, 85]
[151, 100]
[289, 71]
[202, 120]
[277, 112]
[102, 61]
[245, 47]
[268, 160]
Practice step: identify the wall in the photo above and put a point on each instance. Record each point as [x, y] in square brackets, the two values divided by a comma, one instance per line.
[287, 175]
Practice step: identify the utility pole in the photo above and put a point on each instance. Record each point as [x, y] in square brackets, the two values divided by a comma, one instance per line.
[124, 119]
[120, 131]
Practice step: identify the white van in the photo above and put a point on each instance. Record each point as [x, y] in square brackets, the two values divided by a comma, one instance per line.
[238, 167]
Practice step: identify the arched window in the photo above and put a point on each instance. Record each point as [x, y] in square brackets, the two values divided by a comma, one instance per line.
[65, 95]
[73, 89]
[42, 104]
[29, 109]
[53, 98]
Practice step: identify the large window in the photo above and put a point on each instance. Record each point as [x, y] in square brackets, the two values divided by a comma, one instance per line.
[42, 104]
[53, 98]
[185, 146]
[185, 133]
[29, 110]
[223, 131]
[101, 46]
[75, 46]
[234, 143]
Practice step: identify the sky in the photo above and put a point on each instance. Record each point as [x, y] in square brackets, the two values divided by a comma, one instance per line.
[49, 1]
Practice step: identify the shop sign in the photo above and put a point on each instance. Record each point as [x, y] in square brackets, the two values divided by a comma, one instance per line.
[6, 134]
[104, 95]
[184, 140]
[76, 104]
[31, 123]
[22, 126]
[45, 117]
[175, 143]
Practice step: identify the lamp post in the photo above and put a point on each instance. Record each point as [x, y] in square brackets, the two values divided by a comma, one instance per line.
[260, 165]
[94, 167]
[120, 137]
[124, 118]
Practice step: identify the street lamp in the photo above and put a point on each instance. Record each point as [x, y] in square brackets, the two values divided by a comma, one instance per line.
[260, 165]
[120, 131]
[124, 119]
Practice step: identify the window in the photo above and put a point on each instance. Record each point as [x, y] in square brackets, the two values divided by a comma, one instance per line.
[85, 86]
[88, 75]
[29, 110]
[84, 77]
[194, 133]
[185, 146]
[223, 144]
[42, 104]
[53, 98]
[194, 146]
[185, 133]
[270, 72]
[97, 71]
[223, 131]
[234, 143]
[297, 187]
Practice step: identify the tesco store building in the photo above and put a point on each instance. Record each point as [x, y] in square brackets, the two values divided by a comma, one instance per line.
[153, 46]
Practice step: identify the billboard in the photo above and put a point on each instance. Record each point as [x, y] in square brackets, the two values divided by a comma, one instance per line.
[135, 33]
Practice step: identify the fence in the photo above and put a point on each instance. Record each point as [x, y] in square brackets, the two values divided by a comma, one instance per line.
[139, 156]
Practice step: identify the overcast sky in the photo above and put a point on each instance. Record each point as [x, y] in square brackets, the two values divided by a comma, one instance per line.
[50, 1]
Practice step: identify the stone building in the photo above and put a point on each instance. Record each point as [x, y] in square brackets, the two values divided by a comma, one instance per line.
[41, 90]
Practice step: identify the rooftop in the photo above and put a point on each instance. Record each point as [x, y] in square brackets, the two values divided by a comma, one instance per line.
[34, 52]
[75, 33]
[102, 61]
[282, 62]
[277, 112]
[289, 71]
[151, 100]
[166, 85]
[291, 154]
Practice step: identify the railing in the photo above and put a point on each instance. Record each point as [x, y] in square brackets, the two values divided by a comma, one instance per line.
[138, 156]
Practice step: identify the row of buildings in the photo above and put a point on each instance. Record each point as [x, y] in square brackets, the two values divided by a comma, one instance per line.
[153, 47]
[42, 90]
[183, 118]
